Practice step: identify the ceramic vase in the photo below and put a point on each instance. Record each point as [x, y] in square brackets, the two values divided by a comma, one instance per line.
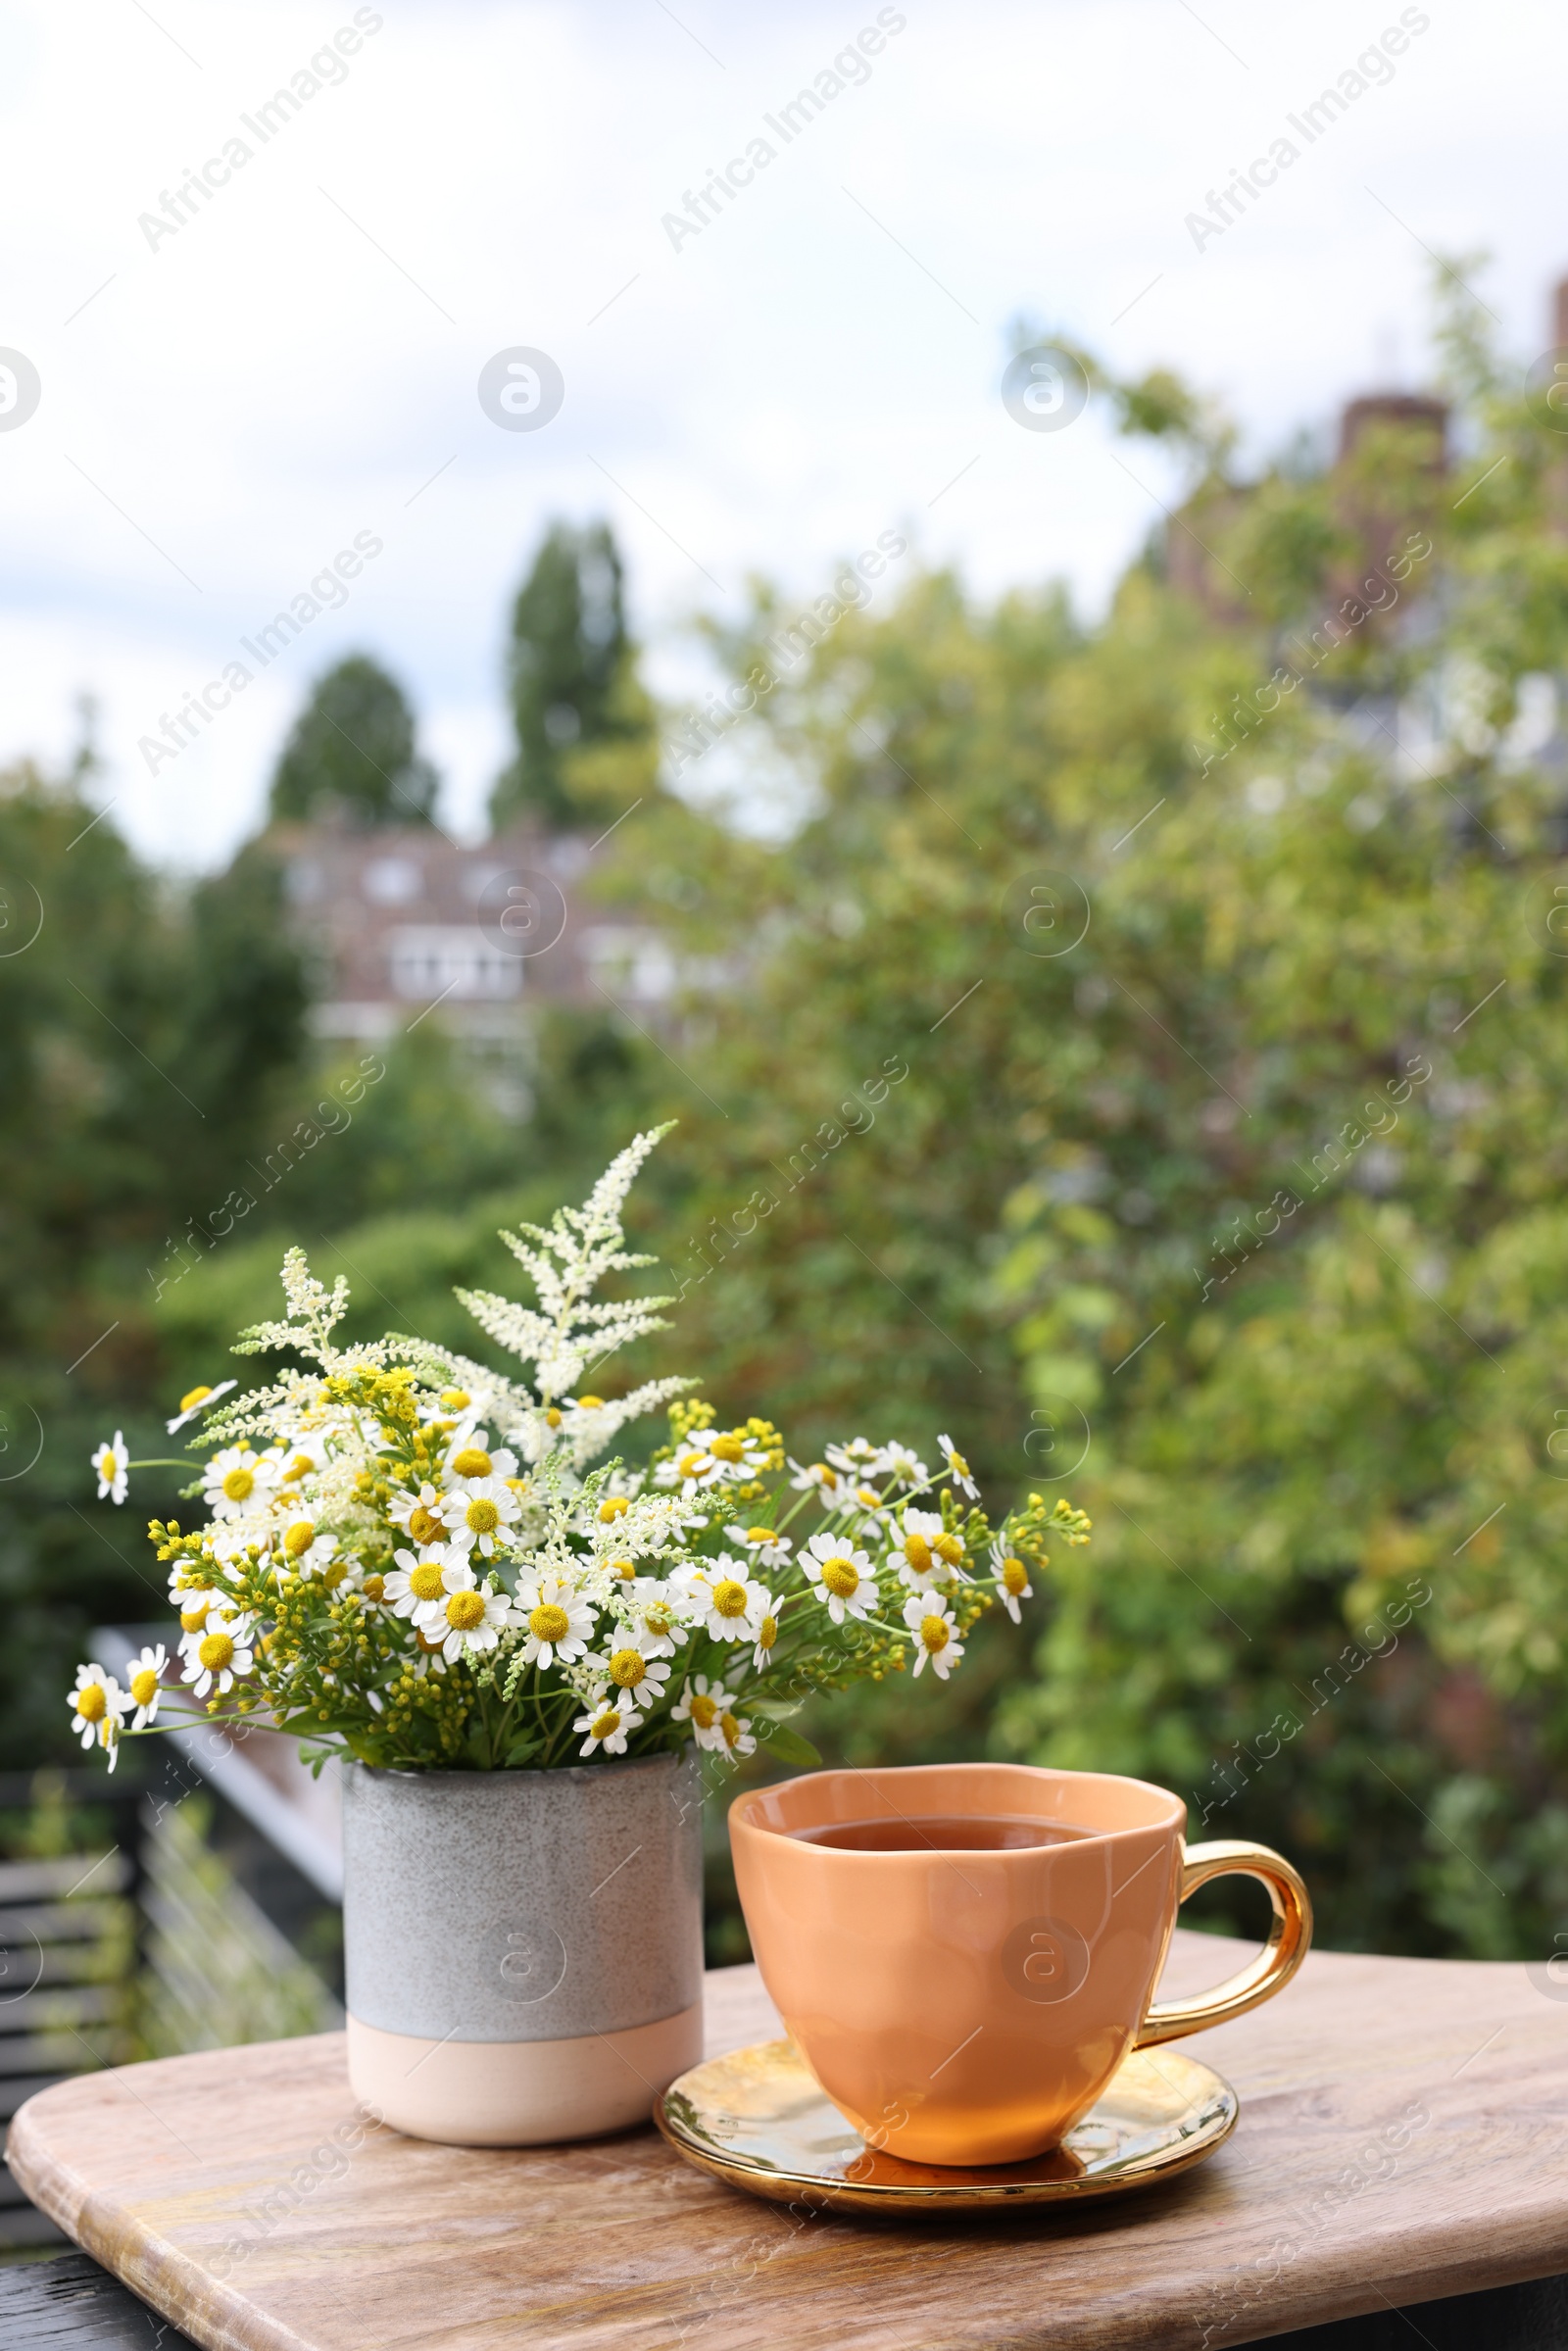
[522, 1950]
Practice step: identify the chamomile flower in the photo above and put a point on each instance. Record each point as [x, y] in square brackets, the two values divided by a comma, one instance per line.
[558, 1622]
[608, 1725]
[739, 1453]
[655, 1621]
[936, 1636]
[735, 1730]
[632, 1675]
[768, 1548]
[827, 1485]
[766, 1629]
[144, 1684]
[112, 1464]
[692, 1469]
[305, 1553]
[1013, 1578]
[98, 1707]
[959, 1469]
[472, 1463]
[858, 1459]
[198, 1401]
[221, 1655]
[841, 1576]
[726, 1601]
[927, 1553]
[481, 1513]
[194, 1609]
[419, 1514]
[704, 1704]
[239, 1480]
[898, 1462]
[473, 1620]
[415, 1588]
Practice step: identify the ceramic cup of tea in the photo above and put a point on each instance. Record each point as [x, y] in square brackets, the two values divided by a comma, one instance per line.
[965, 1952]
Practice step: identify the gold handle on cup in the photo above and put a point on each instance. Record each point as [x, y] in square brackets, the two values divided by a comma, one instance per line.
[1290, 1936]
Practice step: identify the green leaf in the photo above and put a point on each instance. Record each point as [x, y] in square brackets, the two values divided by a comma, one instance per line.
[788, 1746]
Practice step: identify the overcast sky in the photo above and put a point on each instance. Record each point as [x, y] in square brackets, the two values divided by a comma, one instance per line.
[225, 404]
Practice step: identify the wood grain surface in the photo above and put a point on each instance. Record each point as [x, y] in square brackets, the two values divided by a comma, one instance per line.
[1404, 2137]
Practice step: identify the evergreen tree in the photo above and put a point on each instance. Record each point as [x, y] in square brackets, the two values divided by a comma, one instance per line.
[352, 753]
[569, 676]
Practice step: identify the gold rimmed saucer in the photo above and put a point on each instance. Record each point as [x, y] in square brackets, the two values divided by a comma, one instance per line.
[757, 2119]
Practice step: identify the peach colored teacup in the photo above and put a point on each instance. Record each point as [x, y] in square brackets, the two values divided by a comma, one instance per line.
[967, 2007]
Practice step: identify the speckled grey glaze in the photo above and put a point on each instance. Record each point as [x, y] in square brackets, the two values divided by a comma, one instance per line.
[516, 1906]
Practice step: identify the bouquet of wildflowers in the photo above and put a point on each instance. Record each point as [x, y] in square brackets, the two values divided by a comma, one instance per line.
[410, 1560]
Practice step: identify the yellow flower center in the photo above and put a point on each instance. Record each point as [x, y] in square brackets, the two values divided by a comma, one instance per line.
[464, 1610]
[217, 1651]
[936, 1632]
[238, 1484]
[424, 1525]
[299, 1467]
[519, 1486]
[917, 1552]
[728, 1448]
[374, 1588]
[730, 1728]
[590, 1403]
[768, 1631]
[626, 1569]
[841, 1578]
[194, 1397]
[549, 1623]
[299, 1538]
[958, 1464]
[948, 1547]
[702, 1711]
[426, 1583]
[428, 1642]
[659, 1616]
[143, 1687]
[471, 1462]
[333, 1574]
[191, 1620]
[92, 1702]
[1014, 1575]
[107, 1465]
[614, 1506]
[482, 1515]
[822, 1474]
[627, 1667]
[552, 1418]
[455, 1400]
[729, 1597]
[759, 1535]
[606, 1724]
[693, 1465]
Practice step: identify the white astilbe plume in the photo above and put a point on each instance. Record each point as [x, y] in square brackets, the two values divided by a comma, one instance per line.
[313, 1313]
[567, 1260]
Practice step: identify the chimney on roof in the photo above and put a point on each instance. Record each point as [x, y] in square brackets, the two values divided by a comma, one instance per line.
[1409, 410]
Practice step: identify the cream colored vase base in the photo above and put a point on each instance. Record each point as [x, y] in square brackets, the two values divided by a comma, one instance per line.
[521, 2093]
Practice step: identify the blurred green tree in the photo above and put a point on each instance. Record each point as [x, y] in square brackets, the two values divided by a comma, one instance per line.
[352, 754]
[146, 1044]
[572, 682]
[1145, 1064]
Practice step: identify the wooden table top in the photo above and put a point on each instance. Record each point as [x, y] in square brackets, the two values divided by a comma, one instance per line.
[1403, 2136]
